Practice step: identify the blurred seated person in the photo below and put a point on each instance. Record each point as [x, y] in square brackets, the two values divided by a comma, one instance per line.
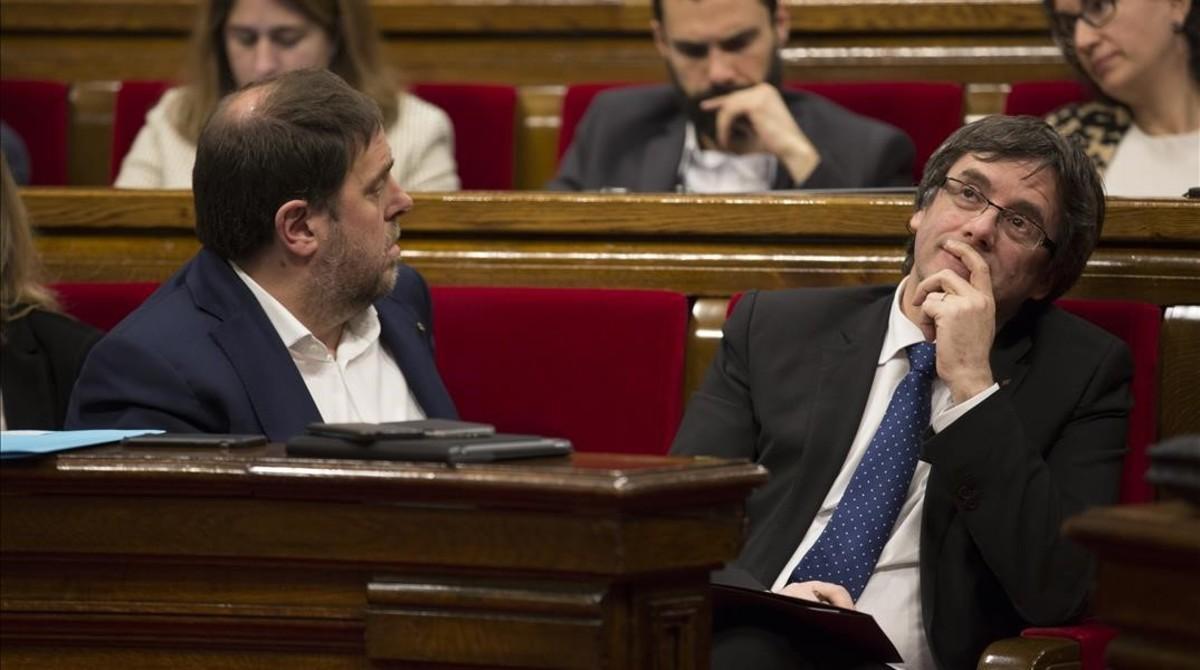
[15, 152]
[297, 308]
[41, 349]
[723, 124]
[237, 42]
[1143, 59]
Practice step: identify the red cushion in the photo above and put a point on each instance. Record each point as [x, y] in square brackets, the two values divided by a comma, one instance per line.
[134, 100]
[102, 305]
[928, 112]
[1138, 324]
[38, 112]
[1093, 639]
[575, 103]
[1039, 98]
[484, 118]
[603, 368]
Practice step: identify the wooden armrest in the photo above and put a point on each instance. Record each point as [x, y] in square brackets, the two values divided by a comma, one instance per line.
[1032, 653]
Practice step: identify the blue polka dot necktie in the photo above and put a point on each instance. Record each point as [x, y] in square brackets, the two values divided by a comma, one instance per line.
[849, 547]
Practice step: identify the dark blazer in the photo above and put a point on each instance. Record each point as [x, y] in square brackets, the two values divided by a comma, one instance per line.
[632, 138]
[40, 359]
[200, 355]
[788, 388]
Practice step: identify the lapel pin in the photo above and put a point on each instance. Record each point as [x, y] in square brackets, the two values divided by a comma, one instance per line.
[421, 326]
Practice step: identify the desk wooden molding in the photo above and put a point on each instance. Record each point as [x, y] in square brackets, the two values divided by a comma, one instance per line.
[220, 558]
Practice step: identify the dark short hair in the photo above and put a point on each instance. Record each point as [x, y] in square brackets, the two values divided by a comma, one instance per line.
[1190, 29]
[658, 13]
[298, 143]
[1080, 205]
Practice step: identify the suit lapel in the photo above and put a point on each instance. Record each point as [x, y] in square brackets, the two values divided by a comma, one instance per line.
[405, 337]
[846, 371]
[273, 384]
[29, 402]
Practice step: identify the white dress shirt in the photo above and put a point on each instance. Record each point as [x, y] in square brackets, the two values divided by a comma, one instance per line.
[360, 382]
[893, 593]
[710, 171]
[1154, 165]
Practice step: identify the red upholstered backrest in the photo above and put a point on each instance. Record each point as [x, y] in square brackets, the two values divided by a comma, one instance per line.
[1039, 98]
[1138, 324]
[484, 118]
[927, 111]
[574, 106]
[39, 113]
[102, 304]
[603, 368]
[134, 99]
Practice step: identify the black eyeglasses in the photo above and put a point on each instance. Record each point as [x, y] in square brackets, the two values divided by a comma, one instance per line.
[1016, 226]
[1096, 13]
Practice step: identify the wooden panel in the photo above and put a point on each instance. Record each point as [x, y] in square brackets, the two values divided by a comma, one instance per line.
[1179, 399]
[134, 557]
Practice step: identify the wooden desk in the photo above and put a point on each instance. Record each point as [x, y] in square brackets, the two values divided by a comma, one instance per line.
[1147, 581]
[190, 558]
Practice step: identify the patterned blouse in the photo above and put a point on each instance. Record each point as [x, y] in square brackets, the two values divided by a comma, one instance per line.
[1097, 126]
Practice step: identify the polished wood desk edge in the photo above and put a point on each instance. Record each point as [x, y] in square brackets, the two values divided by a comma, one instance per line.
[1156, 221]
[613, 478]
[1167, 533]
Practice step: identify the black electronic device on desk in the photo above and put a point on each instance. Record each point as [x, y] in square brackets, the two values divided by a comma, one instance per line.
[439, 440]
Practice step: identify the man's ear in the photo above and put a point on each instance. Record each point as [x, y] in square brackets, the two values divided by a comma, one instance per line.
[914, 221]
[660, 39]
[296, 228]
[782, 24]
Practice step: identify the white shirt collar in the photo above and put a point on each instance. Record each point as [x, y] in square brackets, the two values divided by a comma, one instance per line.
[901, 331]
[360, 332]
[710, 171]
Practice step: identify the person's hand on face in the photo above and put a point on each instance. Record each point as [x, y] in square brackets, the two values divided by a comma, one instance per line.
[756, 119]
[960, 315]
[821, 592]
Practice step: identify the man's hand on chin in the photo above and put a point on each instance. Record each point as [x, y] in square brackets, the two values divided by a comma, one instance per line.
[821, 592]
[757, 120]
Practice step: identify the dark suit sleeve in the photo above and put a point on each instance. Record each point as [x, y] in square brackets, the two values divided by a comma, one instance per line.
[720, 418]
[123, 385]
[1013, 493]
[571, 167]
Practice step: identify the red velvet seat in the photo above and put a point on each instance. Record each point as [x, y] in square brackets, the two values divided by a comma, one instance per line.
[1039, 98]
[484, 118]
[38, 111]
[603, 368]
[1138, 324]
[102, 304]
[928, 111]
[134, 100]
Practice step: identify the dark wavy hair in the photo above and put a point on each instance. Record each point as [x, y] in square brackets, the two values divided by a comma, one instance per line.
[658, 13]
[1080, 206]
[299, 142]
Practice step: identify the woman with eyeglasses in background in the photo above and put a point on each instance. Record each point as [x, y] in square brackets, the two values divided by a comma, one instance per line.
[1142, 60]
[237, 42]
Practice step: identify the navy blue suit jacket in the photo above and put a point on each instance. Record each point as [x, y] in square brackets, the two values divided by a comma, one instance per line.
[200, 355]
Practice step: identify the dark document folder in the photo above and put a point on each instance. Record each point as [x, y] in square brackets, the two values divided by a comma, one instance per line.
[855, 634]
[496, 447]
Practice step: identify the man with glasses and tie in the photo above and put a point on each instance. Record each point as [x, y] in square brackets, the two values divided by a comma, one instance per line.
[926, 441]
